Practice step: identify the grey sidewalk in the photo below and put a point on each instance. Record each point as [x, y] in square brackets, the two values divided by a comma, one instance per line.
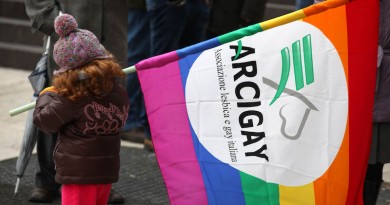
[140, 178]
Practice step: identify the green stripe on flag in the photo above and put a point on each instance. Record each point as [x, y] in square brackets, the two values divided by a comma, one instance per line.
[235, 35]
[257, 191]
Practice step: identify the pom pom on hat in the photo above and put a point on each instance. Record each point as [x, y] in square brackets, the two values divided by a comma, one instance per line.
[75, 47]
[64, 24]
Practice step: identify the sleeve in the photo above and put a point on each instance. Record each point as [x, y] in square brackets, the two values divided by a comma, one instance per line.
[52, 112]
[42, 14]
[384, 25]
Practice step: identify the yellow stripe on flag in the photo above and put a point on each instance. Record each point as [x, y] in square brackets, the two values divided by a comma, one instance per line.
[297, 195]
[296, 15]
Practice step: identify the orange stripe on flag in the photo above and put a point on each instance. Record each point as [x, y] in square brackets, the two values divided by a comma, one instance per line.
[332, 187]
[323, 6]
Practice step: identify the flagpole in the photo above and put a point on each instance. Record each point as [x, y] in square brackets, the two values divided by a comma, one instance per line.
[31, 105]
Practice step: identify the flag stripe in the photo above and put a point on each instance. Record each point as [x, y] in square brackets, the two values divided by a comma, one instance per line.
[257, 191]
[213, 170]
[234, 35]
[337, 33]
[323, 6]
[365, 46]
[172, 118]
[297, 195]
[297, 15]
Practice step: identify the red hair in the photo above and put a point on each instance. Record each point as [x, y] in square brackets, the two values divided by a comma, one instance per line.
[95, 78]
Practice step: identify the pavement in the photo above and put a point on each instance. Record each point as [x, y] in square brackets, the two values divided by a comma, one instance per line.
[140, 178]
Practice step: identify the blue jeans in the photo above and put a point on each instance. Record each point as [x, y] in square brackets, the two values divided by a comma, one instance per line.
[300, 4]
[174, 27]
[138, 40]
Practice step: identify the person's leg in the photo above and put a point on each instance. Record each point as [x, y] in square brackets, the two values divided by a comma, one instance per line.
[138, 49]
[46, 188]
[167, 23]
[103, 193]
[197, 20]
[85, 194]
[372, 183]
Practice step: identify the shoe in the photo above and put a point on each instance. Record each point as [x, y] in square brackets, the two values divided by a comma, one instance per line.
[115, 198]
[42, 195]
[136, 135]
[148, 145]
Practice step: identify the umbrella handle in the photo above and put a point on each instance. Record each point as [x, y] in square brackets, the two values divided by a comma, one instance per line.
[31, 105]
[17, 186]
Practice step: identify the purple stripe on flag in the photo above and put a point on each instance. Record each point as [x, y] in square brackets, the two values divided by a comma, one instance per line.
[170, 128]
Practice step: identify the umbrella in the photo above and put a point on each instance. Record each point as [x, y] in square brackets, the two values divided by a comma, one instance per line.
[38, 80]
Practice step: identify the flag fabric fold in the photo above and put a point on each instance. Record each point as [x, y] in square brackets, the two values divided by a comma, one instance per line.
[274, 113]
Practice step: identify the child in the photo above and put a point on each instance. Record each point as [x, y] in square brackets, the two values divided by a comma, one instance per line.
[88, 108]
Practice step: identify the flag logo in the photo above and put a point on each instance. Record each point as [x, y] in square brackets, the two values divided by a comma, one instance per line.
[249, 112]
[297, 62]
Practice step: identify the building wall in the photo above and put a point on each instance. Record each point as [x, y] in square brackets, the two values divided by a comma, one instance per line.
[19, 47]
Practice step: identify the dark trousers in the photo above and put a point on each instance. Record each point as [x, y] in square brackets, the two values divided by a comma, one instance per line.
[45, 170]
[173, 27]
[372, 183]
[139, 48]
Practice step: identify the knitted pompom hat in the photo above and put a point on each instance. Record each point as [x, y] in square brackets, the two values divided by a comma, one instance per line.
[75, 47]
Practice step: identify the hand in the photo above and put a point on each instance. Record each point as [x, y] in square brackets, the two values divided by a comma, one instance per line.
[48, 89]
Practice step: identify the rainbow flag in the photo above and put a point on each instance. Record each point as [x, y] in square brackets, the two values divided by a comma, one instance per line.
[274, 113]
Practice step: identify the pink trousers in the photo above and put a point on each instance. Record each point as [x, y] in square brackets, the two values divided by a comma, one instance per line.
[85, 194]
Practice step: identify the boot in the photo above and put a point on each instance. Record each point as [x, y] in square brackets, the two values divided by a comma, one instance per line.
[371, 191]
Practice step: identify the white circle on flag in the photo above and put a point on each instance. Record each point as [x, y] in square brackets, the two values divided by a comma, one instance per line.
[292, 141]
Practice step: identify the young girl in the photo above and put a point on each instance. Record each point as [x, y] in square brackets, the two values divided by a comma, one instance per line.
[87, 107]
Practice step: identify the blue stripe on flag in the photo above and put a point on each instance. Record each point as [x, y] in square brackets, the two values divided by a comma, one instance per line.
[222, 182]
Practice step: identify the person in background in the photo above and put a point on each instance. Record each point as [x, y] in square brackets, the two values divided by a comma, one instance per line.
[300, 4]
[380, 152]
[139, 48]
[230, 15]
[87, 107]
[176, 24]
[107, 20]
[155, 28]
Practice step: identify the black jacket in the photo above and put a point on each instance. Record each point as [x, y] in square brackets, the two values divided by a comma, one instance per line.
[382, 96]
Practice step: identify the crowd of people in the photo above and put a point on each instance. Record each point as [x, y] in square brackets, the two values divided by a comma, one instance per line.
[109, 35]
